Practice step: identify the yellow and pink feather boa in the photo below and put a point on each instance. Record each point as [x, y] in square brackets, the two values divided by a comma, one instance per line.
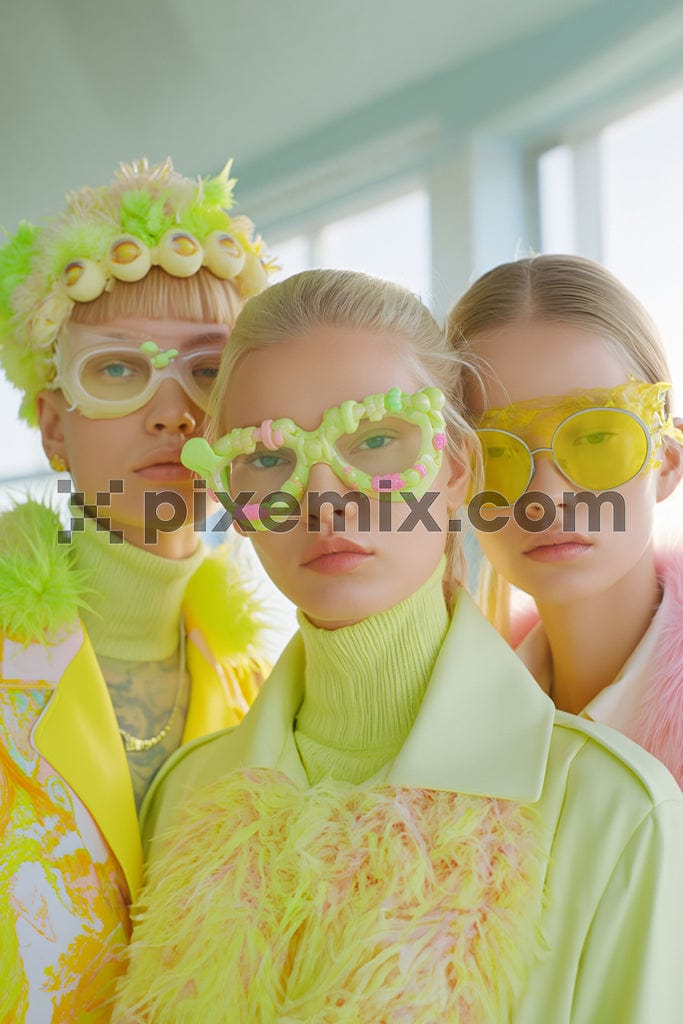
[337, 904]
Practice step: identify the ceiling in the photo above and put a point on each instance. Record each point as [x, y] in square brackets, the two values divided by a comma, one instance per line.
[86, 85]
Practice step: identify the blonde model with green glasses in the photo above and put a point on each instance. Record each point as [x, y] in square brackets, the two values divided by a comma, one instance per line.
[403, 828]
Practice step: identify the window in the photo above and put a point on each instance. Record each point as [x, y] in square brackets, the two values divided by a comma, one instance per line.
[390, 239]
[556, 198]
[630, 175]
[22, 460]
[641, 160]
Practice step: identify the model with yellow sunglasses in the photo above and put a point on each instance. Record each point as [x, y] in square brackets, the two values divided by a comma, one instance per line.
[579, 443]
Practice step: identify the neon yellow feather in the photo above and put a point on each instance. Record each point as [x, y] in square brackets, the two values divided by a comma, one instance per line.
[221, 599]
[143, 216]
[218, 191]
[40, 590]
[15, 263]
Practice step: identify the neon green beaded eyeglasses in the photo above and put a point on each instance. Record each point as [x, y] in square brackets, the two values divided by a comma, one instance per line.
[381, 446]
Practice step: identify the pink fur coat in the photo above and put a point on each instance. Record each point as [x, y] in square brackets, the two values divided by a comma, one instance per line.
[657, 723]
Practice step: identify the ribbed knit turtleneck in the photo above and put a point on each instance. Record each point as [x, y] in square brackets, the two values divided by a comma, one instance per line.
[364, 685]
[135, 597]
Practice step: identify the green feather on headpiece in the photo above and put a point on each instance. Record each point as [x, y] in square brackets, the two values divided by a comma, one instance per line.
[201, 222]
[144, 216]
[207, 211]
[144, 202]
[16, 258]
[78, 241]
[218, 191]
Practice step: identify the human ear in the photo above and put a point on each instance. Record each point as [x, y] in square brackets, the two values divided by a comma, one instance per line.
[671, 470]
[50, 411]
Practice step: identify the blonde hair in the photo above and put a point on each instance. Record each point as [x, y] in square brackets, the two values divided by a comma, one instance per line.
[341, 297]
[200, 298]
[560, 289]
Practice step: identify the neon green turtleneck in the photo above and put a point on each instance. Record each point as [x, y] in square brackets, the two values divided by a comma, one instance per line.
[364, 684]
[136, 596]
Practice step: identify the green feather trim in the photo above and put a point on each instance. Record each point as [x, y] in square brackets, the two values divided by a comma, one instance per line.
[200, 222]
[15, 263]
[144, 216]
[222, 600]
[79, 241]
[337, 904]
[218, 191]
[40, 590]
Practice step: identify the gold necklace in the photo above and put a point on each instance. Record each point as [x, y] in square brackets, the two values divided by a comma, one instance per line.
[135, 743]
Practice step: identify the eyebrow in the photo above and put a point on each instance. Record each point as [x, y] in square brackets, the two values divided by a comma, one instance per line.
[191, 342]
[206, 338]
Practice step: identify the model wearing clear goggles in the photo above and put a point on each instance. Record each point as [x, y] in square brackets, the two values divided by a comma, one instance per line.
[381, 446]
[599, 439]
[108, 375]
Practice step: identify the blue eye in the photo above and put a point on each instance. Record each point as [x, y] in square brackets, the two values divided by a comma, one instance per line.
[206, 372]
[116, 371]
[266, 460]
[375, 441]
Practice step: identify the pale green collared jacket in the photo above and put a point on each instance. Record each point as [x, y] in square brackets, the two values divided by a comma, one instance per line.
[613, 817]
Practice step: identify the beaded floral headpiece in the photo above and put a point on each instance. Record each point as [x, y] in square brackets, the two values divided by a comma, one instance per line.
[148, 216]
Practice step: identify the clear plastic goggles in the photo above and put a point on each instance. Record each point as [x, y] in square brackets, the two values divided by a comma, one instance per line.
[114, 376]
[595, 449]
[381, 446]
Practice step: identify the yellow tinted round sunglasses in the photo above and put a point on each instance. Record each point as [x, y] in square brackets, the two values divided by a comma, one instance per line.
[596, 448]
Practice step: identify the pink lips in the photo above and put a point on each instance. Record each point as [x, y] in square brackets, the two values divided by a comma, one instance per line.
[164, 466]
[333, 555]
[560, 548]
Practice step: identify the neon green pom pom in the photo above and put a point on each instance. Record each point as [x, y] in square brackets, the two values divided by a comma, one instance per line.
[40, 590]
